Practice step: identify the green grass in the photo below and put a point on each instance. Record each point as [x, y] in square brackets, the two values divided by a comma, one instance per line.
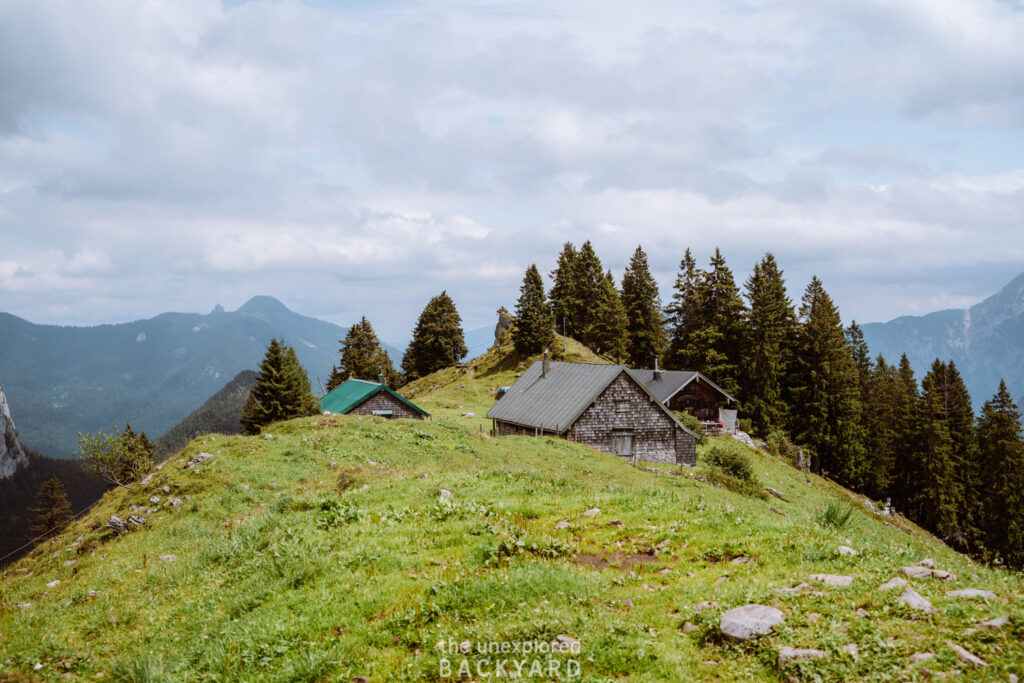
[326, 552]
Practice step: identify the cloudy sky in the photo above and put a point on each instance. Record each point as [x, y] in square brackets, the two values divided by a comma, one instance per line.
[358, 157]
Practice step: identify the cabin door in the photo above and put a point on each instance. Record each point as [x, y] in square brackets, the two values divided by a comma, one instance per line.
[622, 443]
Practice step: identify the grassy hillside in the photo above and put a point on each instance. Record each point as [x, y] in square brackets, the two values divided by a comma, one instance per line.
[326, 550]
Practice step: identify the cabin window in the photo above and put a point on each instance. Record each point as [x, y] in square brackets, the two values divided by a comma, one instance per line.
[622, 406]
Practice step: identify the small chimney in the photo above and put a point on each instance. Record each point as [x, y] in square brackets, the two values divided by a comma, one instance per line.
[657, 372]
[544, 366]
[380, 377]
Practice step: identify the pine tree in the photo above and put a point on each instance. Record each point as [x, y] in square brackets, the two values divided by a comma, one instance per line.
[534, 326]
[592, 298]
[282, 390]
[437, 340]
[936, 497]
[906, 432]
[565, 300]
[645, 328]
[860, 353]
[52, 509]
[362, 357]
[1001, 458]
[717, 343]
[827, 411]
[880, 399]
[771, 325]
[607, 331]
[682, 315]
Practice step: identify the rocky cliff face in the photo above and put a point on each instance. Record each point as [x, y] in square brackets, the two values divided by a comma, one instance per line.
[12, 455]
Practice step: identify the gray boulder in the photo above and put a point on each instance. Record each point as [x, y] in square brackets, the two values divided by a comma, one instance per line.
[749, 622]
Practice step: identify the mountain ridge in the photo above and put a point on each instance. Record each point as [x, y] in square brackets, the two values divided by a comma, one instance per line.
[986, 341]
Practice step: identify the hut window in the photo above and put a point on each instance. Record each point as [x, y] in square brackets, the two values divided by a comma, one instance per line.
[622, 406]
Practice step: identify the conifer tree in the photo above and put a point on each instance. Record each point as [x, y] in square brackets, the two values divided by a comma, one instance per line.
[771, 325]
[437, 340]
[565, 300]
[282, 390]
[52, 509]
[905, 432]
[362, 357]
[860, 353]
[683, 315]
[534, 326]
[936, 498]
[607, 332]
[827, 408]
[717, 343]
[645, 330]
[592, 298]
[880, 400]
[1001, 457]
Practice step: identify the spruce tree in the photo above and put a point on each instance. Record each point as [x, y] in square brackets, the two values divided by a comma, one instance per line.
[592, 298]
[1001, 458]
[827, 408]
[906, 432]
[683, 315]
[282, 390]
[606, 333]
[362, 357]
[565, 300]
[936, 497]
[534, 326]
[718, 342]
[880, 400]
[771, 325]
[52, 509]
[437, 340]
[645, 328]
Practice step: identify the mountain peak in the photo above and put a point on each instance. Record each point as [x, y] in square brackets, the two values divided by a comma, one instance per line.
[265, 305]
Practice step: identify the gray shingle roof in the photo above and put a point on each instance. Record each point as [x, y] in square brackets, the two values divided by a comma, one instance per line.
[555, 402]
[671, 381]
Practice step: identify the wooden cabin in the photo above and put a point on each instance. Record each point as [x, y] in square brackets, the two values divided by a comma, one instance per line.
[693, 393]
[360, 397]
[606, 407]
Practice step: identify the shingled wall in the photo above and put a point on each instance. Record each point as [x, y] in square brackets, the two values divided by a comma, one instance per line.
[382, 400]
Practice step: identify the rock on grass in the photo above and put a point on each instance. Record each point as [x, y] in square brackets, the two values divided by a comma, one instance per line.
[749, 622]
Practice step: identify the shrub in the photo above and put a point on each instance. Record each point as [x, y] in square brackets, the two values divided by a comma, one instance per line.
[835, 515]
[779, 445]
[733, 463]
[746, 425]
[693, 424]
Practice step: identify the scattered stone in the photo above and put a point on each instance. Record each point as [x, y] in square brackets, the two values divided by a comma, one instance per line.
[154, 500]
[176, 502]
[965, 656]
[741, 560]
[68, 563]
[690, 627]
[917, 572]
[268, 437]
[832, 580]
[148, 478]
[895, 582]
[795, 589]
[202, 457]
[972, 593]
[93, 594]
[847, 551]
[851, 649]
[628, 603]
[707, 604]
[749, 622]
[445, 494]
[23, 605]
[563, 525]
[777, 494]
[168, 558]
[927, 562]
[789, 654]
[166, 489]
[469, 415]
[919, 657]
[272, 484]
[778, 512]
[915, 600]
[943, 575]
[861, 612]
[53, 584]
[592, 512]
[720, 579]
[1012, 678]
[564, 643]
[994, 624]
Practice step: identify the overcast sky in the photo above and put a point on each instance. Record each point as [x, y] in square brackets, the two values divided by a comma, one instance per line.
[356, 158]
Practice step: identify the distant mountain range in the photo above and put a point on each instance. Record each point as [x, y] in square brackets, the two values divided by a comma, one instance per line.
[152, 373]
[986, 341]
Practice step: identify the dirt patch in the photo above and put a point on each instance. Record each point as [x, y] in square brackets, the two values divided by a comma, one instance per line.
[616, 560]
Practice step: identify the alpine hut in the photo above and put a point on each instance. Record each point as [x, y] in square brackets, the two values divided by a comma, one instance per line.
[693, 393]
[604, 406]
[360, 397]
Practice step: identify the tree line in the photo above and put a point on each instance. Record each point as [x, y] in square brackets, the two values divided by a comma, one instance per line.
[804, 380]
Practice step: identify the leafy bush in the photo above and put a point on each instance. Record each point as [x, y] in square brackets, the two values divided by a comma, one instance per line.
[733, 463]
[835, 515]
[693, 424]
[746, 425]
[331, 512]
[780, 446]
